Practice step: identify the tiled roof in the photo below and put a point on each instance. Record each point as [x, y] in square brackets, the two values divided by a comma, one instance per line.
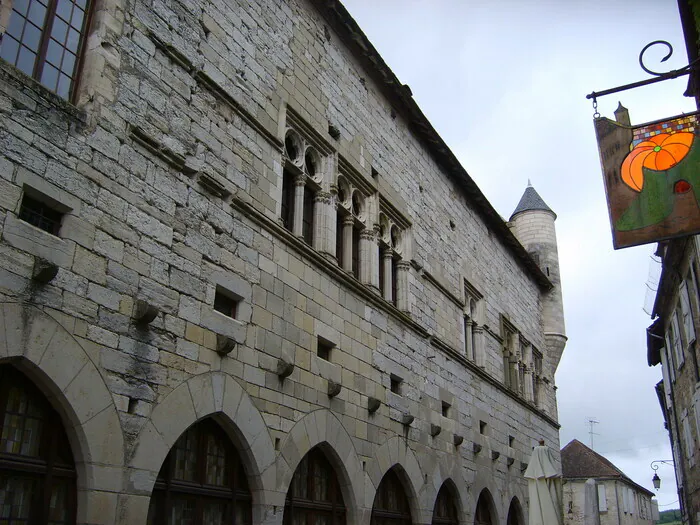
[580, 462]
[531, 200]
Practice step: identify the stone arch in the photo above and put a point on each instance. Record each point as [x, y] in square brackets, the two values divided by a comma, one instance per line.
[485, 495]
[395, 452]
[51, 356]
[447, 470]
[515, 515]
[212, 394]
[323, 428]
[454, 491]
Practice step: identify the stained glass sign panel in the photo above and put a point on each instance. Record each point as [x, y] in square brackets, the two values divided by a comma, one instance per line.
[652, 177]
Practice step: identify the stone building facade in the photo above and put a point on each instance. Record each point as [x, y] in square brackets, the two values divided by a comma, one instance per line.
[620, 501]
[244, 280]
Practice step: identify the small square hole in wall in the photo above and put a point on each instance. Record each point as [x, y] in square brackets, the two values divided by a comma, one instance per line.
[482, 428]
[445, 409]
[324, 349]
[225, 302]
[375, 173]
[41, 213]
[511, 441]
[395, 384]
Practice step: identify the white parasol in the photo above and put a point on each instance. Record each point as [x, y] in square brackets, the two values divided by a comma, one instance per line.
[543, 488]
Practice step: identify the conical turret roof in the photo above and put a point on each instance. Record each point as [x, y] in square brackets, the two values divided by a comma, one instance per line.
[531, 200]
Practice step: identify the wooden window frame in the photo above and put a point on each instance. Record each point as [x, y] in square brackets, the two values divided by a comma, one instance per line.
[311, 507]
[384, 516]
[54, 458]
[167, 488]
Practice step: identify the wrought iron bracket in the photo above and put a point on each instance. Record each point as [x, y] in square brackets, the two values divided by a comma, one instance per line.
[660, 77]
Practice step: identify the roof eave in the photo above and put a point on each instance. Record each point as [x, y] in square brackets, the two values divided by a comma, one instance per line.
[351, 34]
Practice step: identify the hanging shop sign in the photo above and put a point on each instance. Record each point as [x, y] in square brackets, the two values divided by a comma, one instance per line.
[651, 171]
[652, 177]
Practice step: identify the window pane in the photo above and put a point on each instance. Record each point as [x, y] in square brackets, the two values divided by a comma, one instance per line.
[68, 63]
[54, 53]
[49, 77]
[31, 37]
[186, 456]
[82, 4]
[63, 9]
[37, 14]
[63, 86]
[15, 498]
[73, 40]
[16, 25]
[9, 49]
[58, 503]
[21, 6]
[77, 20]
[216, 462]
[59, 30]
[183, 512]
[214, 513]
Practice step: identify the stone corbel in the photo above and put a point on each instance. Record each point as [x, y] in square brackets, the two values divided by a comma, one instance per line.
[523, 466]
[435, 430]
[457, 440]
[284, 368]
[44, 271]
[510, 461]
[495, 455]
[144, 312]
[224, 345]
[476, 447]
[407, 419]
[373, 404]
[334, 388]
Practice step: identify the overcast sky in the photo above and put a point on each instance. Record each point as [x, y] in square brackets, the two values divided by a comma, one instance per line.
[491, 75]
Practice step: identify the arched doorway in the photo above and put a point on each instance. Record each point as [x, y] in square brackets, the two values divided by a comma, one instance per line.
[515, 513]
[37, 470]
[314, 496]
[445, 510]
[484, 514]
[390, 502]
[201, 481]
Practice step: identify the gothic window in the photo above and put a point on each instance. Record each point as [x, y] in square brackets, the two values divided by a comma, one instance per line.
[472, 299]
[356, 250]
[445, 510]
[390, 502]
[536, 375]
[515, 513]
[287, 211]
[483, 515]
[44, 39]
[37, 471]
[307, 228]
[201, 481]
[314, 496]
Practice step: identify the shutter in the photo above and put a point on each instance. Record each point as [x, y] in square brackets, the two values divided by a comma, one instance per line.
[624, 499]
[668, 355]
[687, 314]
[632, 502]
[676, 340]
[602, 501]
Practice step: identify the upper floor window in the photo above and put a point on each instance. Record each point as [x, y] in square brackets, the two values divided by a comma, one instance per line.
[44, 39]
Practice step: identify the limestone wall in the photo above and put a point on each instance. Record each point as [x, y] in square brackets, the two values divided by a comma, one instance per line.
[170, 173]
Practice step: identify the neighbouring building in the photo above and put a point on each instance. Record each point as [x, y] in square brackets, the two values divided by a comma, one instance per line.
[243, 279]
[671, 339]
[621, 501]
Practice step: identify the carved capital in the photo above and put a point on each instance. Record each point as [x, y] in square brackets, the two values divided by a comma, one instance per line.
[300, 180]
[324, 197]
[402, 266]
[368, 234]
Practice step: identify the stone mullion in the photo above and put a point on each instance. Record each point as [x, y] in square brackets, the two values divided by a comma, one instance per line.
[387, 259]
[368, 258]
[468, 342]
[402, 269]
[323, 219]
[479, 357]
[348, 223]
[298, 219]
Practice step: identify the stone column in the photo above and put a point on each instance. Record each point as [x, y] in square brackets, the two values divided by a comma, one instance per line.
[478, 333]
[323, 222]
[298, 219]
[346, 263]
[368, 267]
[528, 388]
[387, 260]
[468, 342]
[402, 269]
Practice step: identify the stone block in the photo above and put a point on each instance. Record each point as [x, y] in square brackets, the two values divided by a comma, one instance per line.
[223, 325]
[39, 243]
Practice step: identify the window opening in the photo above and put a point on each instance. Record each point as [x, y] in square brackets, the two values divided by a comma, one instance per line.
[390, 502]
[324, 349]
[314, 495]
[201, 481]
[307, 230]
[224, 303]
[356, 251]
[445, 409]
[287, 211]
[445, 510]
[44, 39]
[482, 428]
[37, 471]
[395, 384]
[40, 214]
